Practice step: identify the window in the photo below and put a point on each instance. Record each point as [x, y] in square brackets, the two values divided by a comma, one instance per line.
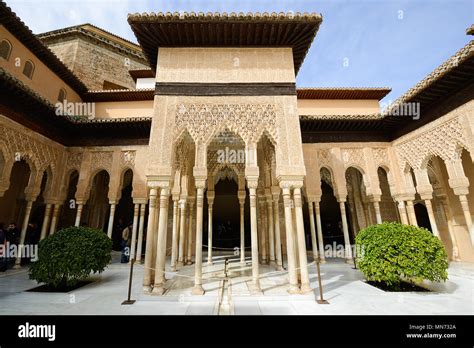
[62, 95]
[28, 69]
[5, 49]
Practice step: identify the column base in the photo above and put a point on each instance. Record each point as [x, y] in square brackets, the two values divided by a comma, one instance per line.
[254, 288]
[146, 289]
[173, 268]
[322, 261]
[272, 263]
[158, 290]
[189, 262]
[350, 261]
[280, 268]
[305, 289]
[210, 262]
[180, 264]
[198, 290]
[293, 290]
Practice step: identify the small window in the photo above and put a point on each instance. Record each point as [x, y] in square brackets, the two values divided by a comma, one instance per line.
[28, 69]
[62, 95]
[5, 49]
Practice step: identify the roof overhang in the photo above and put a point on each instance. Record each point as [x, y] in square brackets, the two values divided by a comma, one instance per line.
[342, 93]
[155, 30]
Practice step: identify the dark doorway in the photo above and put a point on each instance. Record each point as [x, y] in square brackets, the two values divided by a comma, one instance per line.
[422, 216]
[226, 219]
[330, 216]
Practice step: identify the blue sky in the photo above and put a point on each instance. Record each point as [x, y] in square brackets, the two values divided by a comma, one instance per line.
[361, 43]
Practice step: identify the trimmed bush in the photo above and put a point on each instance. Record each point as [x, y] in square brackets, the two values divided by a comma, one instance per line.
[391, 253]
[71, 255]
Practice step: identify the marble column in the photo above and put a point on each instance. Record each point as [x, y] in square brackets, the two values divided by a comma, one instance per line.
[345, 230]
[189, 244]
[110, 227]
[411, 213]
[24, 227]
[140, 231]
[303, 257]
[78, 214]
[252, 185]
[158, 288]
[47, 216]
[54, 219]
[198, 289]
[276, 224]
[317, 210]
[149, 240]
[290, 241]
[262, 229]
[210, 202]
[241, 196]
[174, 241]
[378, 214]
[133, 244]
[314, 244]
[431, 216]
[182, 232]
[449, 219]
[467, 216]
[271, 235]
[402, 211]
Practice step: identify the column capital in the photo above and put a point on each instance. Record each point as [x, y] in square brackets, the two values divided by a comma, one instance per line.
[241, 194]
[374, 198]
[290, 181]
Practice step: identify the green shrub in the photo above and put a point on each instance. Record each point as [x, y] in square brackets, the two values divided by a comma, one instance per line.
[392, 252]
[70, 255]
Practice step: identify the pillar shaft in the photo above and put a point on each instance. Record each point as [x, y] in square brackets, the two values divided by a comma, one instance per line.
[189, 244]
[209, 237]
[24, 228]
[403, 212]
[182, 233]
[276, 222]
[110, 227]
[54, 219]
[290, 241]
[345, 231]
[312, 227]
[378, 215]
[47, 216]
[198, 290]
[320, 231]
[140, 232]
[242, 231]
[174, 241]
[77, 222]
[149, 240]
[434, 226]
[254, 236]
[411, 213]
[467, 216]
[271, 235]
[161, 242]
[133, 244]
[303, 258]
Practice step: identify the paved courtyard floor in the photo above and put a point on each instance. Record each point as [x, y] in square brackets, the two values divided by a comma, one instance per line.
[344, 288]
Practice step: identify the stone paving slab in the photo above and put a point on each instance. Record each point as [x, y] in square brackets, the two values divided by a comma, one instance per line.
[344, 287]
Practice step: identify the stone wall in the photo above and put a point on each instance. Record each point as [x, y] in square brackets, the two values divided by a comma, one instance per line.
[93, 64]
